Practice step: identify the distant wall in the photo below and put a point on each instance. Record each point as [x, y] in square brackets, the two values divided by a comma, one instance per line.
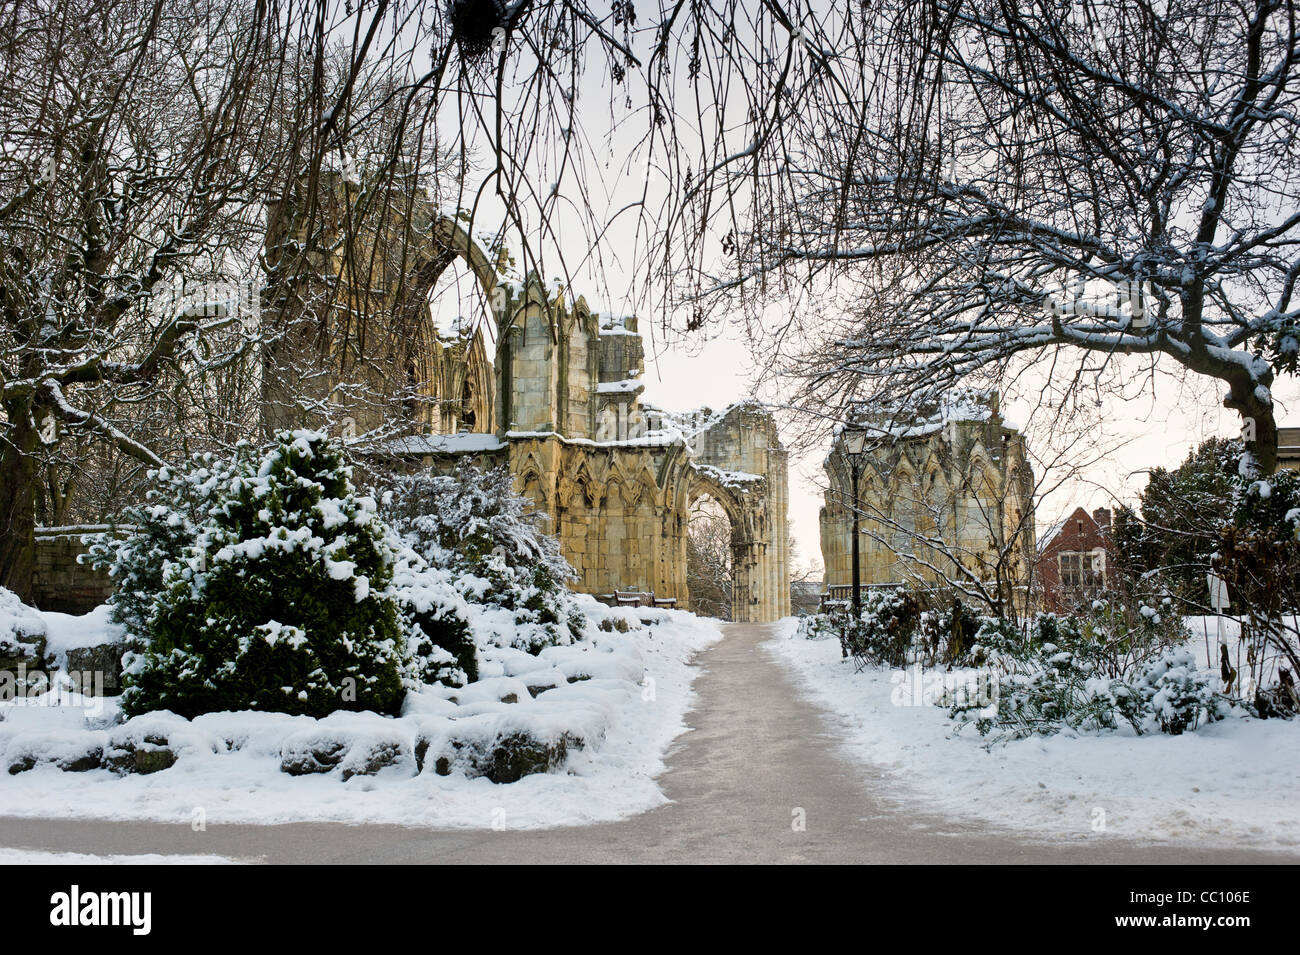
[61, 584]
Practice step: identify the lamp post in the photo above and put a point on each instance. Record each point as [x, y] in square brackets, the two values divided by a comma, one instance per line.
[854, 445]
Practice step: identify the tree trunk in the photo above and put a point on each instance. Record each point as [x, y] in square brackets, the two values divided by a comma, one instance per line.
[18, 477]
[1264, 446]
[1259, 426]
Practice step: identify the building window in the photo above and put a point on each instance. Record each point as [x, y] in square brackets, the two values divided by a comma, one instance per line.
[1071, 570]
[1081, 572]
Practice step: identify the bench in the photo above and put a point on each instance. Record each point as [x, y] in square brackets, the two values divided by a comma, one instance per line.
[637, 598]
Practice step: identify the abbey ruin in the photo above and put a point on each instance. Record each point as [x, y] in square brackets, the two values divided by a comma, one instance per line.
[547, 387]
[945, 493]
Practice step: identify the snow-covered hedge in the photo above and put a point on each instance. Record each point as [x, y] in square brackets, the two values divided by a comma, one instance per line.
[1258, 554]
[527, 714]
[1166, 694]
[473, 525]
[882, 633]
[886, 627]
[952, 634]
[817, 626]
[1096, 669]
[163, 531]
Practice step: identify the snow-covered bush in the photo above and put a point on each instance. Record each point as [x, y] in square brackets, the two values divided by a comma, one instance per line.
[1003, 645]
[817, 626]
[440, 642]
[1170, 694]
[1106, 665]
[473, 525]
[1116, 638]
[22, 632]
[279, 599]
[1065, 692]
[1279, 701]
[947, 635]
[883, 632]
[1164, 694]
[162, 531]
[1112, 638]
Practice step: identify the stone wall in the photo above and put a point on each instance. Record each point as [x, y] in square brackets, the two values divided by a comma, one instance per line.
[621, 510]
[617, 478]
[59, 582]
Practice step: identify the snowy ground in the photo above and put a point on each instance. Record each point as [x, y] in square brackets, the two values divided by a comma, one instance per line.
[40, 857]
[630, 703]
[1232, 783]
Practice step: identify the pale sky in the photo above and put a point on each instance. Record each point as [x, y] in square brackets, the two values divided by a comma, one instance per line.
[1154, 431]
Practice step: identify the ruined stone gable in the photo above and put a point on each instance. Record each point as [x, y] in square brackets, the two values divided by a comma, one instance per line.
[944, 492]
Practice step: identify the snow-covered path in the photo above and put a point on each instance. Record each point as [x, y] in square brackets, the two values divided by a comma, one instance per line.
[758, 760]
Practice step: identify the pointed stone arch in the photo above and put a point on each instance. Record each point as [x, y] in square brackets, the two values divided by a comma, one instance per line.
[699, 484]
[464, 384]
[449, 235]
[530, 481]
[649, 487]
[360, 315]
[980, 466]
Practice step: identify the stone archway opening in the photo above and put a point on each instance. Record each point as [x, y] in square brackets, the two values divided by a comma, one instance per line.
[710, 558]
[459, 305]
[461, 325]
[729, 517]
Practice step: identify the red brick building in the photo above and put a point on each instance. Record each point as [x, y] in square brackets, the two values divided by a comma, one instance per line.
[1075, 559]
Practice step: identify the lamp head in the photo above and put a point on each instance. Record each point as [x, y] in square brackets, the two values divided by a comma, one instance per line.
[854, 442]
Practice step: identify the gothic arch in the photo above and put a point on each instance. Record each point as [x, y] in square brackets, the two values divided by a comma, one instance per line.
[649, 488]
[701, 485]
[529, 481]
[452, 240]
[467, 383]
[902, 478]
[979, 467]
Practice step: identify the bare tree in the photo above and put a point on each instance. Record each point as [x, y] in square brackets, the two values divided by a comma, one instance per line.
[144, 145]
[949, 185]
[148, 147]
[135, 149]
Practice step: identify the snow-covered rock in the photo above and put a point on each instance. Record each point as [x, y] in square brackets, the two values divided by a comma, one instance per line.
[24, 633]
